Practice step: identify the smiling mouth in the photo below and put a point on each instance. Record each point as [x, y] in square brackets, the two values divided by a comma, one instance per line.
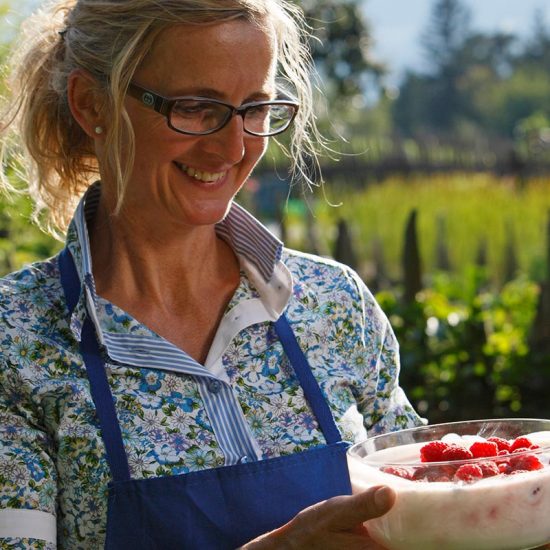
[206, 177]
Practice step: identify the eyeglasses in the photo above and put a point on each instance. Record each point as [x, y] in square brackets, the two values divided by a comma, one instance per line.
[200, 116]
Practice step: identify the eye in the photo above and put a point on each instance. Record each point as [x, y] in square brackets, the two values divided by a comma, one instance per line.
[259, 111]
[192, 108]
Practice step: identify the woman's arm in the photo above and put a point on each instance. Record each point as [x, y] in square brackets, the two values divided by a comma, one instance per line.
[383, 404]
[28, 488]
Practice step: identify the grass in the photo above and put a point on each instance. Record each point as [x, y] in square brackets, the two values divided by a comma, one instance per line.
[463, 211]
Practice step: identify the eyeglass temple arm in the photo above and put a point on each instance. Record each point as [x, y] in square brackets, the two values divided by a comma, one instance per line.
[154, 101]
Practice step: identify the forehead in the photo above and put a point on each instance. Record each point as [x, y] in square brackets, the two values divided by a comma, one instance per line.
[226, 56]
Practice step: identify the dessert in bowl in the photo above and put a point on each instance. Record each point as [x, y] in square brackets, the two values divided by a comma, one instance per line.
[473, 485]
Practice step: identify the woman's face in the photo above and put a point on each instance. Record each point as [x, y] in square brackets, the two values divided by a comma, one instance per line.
[192, 180]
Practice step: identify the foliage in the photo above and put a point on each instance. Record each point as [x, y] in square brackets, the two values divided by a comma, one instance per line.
[341, 47]
[466, 354]
[475, 84]
[20, 241]
[467, 213]
[466, 337]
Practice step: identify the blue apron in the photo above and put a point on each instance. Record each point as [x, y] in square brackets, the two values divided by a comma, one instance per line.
[218, 508]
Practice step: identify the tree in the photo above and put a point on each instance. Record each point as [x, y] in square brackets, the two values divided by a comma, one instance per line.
[443, 42]
[537, 48]
[341, 47]
[445, 35]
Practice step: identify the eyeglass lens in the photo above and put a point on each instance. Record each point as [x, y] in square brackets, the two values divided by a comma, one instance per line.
[199, 116]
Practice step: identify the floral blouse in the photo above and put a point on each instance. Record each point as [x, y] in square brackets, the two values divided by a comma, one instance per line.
[53, 470]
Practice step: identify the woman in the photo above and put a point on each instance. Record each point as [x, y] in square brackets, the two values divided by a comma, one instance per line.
[154, 389]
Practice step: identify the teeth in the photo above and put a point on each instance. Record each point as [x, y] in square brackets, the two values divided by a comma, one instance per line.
[202, 176]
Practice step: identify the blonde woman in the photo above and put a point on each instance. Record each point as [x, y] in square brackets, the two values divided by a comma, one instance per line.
[175, 378]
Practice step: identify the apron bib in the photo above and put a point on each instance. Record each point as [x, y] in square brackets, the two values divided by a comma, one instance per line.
[219, 508]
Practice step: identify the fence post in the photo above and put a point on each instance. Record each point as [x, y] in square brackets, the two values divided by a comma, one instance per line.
[343, 247]
[412, 271]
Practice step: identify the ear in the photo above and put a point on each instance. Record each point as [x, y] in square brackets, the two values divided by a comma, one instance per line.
[85, 101]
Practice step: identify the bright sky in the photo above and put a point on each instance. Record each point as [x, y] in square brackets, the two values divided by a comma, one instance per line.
[398, 24]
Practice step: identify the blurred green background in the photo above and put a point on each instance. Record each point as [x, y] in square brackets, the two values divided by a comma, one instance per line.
[438, 193]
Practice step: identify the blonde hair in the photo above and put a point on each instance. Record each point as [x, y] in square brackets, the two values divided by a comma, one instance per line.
[109, 39]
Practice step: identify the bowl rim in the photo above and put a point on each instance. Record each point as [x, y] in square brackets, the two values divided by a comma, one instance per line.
[427, 427]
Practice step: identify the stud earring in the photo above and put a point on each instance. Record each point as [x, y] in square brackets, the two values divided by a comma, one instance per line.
[98, 130]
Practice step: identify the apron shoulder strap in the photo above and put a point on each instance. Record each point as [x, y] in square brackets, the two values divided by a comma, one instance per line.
[95, 369]
[309, 384]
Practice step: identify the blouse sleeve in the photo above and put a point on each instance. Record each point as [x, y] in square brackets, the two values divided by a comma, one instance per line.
[384, 405]
[28, 488]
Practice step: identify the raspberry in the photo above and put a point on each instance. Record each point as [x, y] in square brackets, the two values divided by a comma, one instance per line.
[456, 452]
[469, 473]
[489, 468]
[504, 467]
[520, 450]
[433, 451]
[504, 452]
[528, 462]
[484, 448]
[520, 442]
[434, 473]
[396, 471]
[502, 444]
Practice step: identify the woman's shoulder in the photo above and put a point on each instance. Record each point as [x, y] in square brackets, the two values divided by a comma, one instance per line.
[324, 274]
[30, 293]
[296, 259]
[31, 276]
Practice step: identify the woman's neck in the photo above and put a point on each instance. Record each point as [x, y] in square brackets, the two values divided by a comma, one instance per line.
[163, 266]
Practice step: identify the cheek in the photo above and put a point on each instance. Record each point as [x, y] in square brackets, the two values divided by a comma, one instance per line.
[256, 149]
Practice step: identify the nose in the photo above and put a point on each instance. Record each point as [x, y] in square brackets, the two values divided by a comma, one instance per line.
[229, 142]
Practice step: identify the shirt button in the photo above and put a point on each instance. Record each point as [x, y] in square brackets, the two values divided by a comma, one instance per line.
[244, 459]
[214, 386]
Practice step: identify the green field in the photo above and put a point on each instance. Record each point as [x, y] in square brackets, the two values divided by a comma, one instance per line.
[462, 212]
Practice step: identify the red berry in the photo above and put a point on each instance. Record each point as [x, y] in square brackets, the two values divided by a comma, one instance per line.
[456, 452]
[434, 473]
[484, 448]
[396, 471]
[504, 452]
[420, 473]
[433, 451]
[520, 450]
[504, 467]
[489, 468]
[528, 462]
[520, 442]
[502, 444]
[469, 473]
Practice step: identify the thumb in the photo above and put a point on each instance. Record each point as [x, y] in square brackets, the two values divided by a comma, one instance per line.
[356, 509]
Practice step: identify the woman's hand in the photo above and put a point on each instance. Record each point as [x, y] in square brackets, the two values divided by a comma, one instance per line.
[336, 523]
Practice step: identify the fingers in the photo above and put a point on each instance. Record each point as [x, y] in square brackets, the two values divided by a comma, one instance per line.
[333, 523]
[349, 511]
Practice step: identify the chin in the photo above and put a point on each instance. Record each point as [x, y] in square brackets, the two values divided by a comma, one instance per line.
[208, 216]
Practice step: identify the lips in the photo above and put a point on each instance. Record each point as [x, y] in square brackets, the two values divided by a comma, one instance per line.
[200, 175]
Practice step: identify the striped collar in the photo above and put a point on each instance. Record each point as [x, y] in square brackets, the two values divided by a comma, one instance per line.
[247, 237]
[258, 250]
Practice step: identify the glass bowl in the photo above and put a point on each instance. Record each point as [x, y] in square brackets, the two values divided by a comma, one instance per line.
[447, 500]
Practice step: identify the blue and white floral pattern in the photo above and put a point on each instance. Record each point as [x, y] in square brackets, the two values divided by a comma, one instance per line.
[52, 457]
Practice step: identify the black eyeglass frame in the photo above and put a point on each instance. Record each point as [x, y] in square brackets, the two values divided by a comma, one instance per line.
[164, 105]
